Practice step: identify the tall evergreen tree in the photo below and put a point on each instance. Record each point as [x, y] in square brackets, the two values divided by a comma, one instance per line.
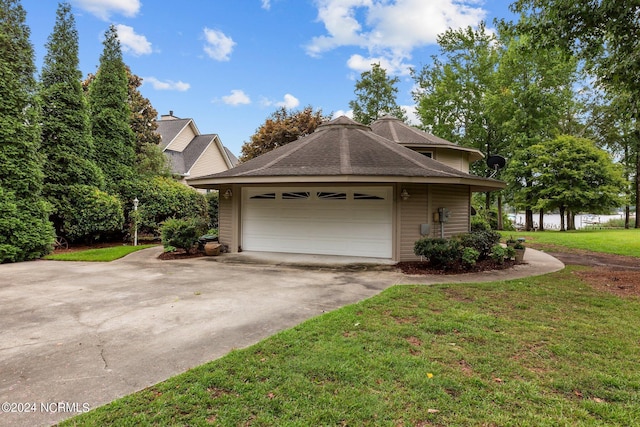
[72, 178]
[110, 114]
[25, 230]
[66, 130]
[375, 96]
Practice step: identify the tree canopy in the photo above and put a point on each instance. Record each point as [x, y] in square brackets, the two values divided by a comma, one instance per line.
[602, 33]
[375, 96]
[282, 127]
[573, 175]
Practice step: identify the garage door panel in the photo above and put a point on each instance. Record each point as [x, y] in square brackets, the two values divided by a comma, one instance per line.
[312, 220]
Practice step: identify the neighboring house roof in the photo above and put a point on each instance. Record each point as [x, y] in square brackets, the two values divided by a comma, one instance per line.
[344, 151]
[396, 130]
[169, 129]
[183, 155]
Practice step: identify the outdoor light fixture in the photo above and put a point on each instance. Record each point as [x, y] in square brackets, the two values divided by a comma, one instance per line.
[405, 194]
[227, 194]
[135, 233]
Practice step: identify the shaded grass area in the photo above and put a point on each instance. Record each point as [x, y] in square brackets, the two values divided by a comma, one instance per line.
[98, 255]
[542, 351]
[619, 242]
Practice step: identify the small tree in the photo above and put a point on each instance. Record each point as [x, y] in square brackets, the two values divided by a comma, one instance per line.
[375, 96]
[281, 128]
[573, 175]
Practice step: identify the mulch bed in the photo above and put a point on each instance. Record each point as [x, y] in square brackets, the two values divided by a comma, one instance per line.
[181, 254]
[423, 267]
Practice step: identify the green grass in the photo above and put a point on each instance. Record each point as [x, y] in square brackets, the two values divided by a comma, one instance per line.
[620, 242]
[98, 255]
[542, 351]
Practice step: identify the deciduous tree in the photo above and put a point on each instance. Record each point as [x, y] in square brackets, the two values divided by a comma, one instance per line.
[604, 33]
[573, 175]
[282, 127]
[375, 96]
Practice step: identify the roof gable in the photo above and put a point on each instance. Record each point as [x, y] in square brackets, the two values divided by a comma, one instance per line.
[396, 130]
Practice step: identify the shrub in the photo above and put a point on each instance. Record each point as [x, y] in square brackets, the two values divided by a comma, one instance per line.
[500, 254]
[91, 214]
[182, 233]
[482, 241]
[25, 232]
[441, 253]
[212, 204]
[470, 257]
[162, 198]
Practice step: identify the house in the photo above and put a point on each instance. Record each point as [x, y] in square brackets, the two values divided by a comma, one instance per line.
[345, 190]
[190, 153]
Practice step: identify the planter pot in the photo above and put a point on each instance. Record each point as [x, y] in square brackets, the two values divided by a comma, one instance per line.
[212, 249]
[519, 255]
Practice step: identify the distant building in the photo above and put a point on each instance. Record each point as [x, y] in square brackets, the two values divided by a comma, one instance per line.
[190, 153]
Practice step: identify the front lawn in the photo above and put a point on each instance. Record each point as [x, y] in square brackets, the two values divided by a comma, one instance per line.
[97, 255]
[620, 242]
[541, 351]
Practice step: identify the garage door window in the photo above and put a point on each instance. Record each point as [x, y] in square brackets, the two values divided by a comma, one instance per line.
[331, 196]
[264, 196]
[296, 195]
[363, 196]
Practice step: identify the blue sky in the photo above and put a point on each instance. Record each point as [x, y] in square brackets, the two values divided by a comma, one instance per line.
[228, 64]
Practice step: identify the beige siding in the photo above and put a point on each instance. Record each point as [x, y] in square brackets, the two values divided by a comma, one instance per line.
[225, 220]
[456, 198]
[182, 139]
[412, 213]
[456, 159]
[209, 163]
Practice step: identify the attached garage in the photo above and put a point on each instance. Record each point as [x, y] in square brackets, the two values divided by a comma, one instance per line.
[344, 190]
[318, 220]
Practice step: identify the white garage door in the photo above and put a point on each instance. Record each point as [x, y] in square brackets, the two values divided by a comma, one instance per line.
[318, 220]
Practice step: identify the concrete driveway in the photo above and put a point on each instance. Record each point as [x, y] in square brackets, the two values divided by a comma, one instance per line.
[78, 335]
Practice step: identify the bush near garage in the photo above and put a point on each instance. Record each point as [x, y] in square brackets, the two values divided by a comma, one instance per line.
[182, 233]
[462, 251]
[161, 198]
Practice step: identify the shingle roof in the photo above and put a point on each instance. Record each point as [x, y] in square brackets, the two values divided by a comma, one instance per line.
[396, 130]
[343, 147]
[169, 129]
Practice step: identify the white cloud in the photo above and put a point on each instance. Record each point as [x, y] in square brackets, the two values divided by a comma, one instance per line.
[266, 4]
[393, 66]
[341, 113]
[218, 46]
[389, 29]
[237, 97]
[167, 84]
[103, 9]
[289, 102]
[131, 42]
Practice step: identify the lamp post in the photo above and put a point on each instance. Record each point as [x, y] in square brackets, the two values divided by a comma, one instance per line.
[135, 219]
